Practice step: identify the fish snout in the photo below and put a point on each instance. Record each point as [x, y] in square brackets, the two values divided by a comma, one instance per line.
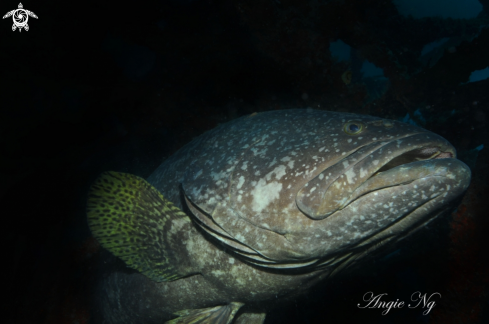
[353, 176]
[452, 172]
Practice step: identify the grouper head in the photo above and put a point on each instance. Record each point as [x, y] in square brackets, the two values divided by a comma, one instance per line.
[314, 189]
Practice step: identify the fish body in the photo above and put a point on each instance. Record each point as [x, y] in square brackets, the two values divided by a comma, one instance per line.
[262, 208]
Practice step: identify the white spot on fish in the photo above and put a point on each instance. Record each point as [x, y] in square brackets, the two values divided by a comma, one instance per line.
[363, 173]
[198, 174]
[240, 182]
[273, 162]
[245, 165]
[264, 194]
[279, 172]
[350, 176]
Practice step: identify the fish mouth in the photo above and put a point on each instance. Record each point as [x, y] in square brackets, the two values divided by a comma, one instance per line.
[420, 184]
[369, 168]
[420, 154]
[402, 170]
[409, 187]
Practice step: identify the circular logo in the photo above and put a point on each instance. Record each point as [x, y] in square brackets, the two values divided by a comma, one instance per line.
[20, 17]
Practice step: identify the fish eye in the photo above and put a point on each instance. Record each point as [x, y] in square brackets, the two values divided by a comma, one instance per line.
[353, 128]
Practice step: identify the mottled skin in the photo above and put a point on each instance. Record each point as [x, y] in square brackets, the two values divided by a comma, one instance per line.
[285, 189]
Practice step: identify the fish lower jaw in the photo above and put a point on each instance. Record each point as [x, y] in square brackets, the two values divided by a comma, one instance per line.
[372, 246]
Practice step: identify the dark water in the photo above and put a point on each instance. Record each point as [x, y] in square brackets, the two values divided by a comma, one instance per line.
[95, 86]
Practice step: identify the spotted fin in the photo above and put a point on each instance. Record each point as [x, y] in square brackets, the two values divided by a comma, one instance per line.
[133, 220]
[212, 315]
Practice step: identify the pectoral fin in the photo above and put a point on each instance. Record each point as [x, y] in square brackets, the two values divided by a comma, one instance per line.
[133, 220]
[250, 318]
[212, 315]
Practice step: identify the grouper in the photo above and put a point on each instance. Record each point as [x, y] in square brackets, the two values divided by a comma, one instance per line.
[258, 210]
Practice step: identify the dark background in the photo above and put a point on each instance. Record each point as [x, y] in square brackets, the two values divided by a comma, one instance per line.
[96, 86]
